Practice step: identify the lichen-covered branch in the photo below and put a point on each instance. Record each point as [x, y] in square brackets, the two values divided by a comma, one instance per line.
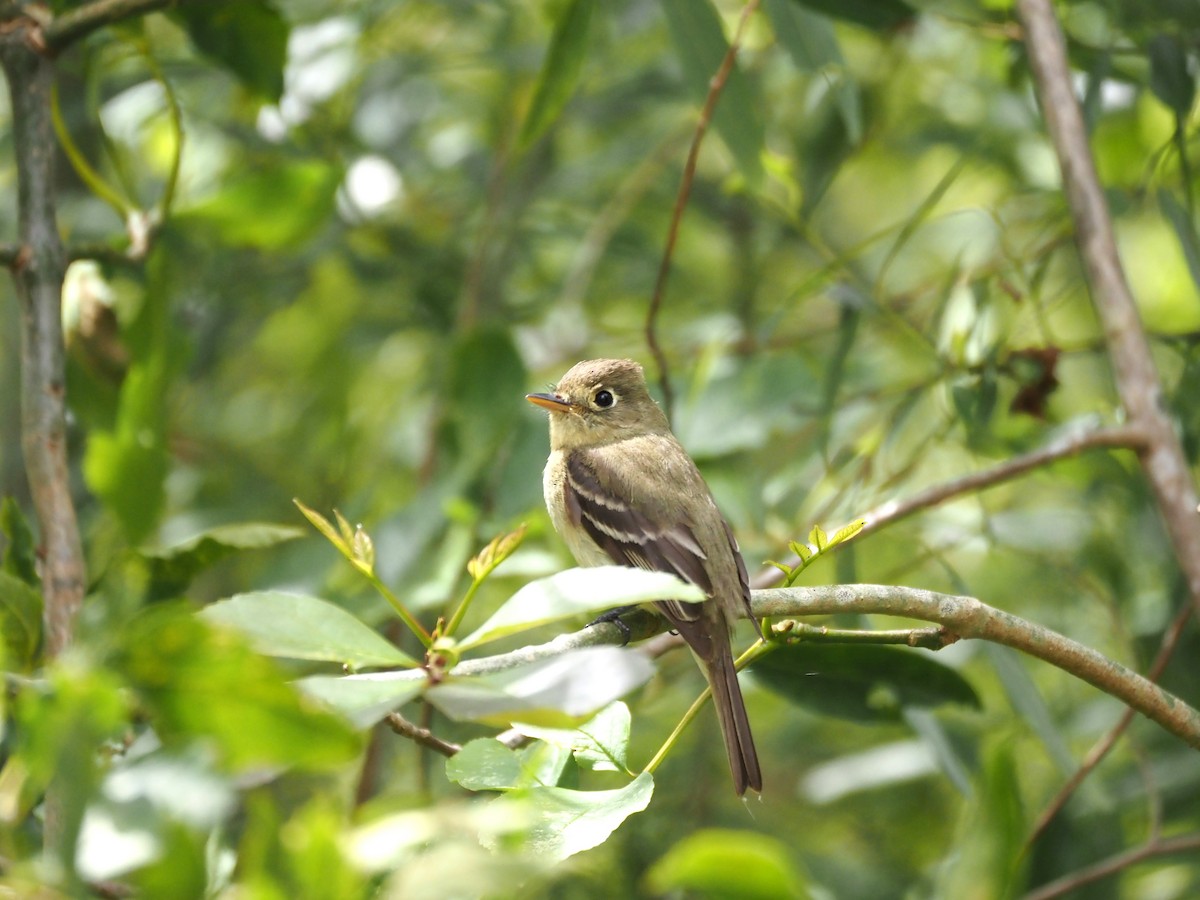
[960, 618]
[971, 618]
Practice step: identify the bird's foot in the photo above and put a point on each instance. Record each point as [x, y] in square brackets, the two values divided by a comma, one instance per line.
[614, 616]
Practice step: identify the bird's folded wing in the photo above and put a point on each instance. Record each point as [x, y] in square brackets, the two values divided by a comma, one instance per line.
[633, 536]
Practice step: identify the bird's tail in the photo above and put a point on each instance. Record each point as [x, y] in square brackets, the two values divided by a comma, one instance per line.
[735, 726]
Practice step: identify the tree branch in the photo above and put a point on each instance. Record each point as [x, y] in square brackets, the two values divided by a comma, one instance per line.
[38, 266]
[960, 617]
[716, 85]
[1183, 843]
[422, 736]
[78, 23]
[1071, 443]
[1138, 385]
[971, 618]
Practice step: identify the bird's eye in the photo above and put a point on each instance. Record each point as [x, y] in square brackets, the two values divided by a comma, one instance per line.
[604, 399]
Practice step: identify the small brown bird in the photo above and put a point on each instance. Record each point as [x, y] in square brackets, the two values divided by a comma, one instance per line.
[621, 489]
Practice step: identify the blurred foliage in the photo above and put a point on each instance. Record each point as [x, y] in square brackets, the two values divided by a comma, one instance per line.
[393, 219]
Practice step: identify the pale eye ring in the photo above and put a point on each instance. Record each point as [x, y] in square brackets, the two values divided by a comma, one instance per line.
[604, 399]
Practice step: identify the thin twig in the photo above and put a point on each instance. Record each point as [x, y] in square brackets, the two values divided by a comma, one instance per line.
[1066, 445]
[1100, 749]
[422, 736]
[715, 86]
[925, 638]
[78, 23]
[1183, 843]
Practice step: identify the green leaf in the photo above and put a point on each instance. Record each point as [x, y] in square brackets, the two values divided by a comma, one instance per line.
[172, 568]
[485, 391]
[1185, 232]
[878, 15]
[19, 558]
[302, 627]
[811, 42]
[247, 37]
[1031, 707]
[497, 551]
[20, 622]
[205, 686]
[560, 71]
[486, 765]
[600, 745]
[700, 42]
[1170, 79]
[363, 699]
[126, 468]
[559, 691]
[248, 210]
[990, 846]
[847, 531]
[577, 591]
[569, 822]
[723, 863]
[861, 682]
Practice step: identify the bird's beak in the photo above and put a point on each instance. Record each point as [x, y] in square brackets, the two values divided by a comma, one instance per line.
[551, 402]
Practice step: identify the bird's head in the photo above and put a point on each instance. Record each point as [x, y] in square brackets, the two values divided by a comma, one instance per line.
[600, 401]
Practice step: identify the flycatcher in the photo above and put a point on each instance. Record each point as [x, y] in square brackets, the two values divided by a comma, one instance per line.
[621, 489]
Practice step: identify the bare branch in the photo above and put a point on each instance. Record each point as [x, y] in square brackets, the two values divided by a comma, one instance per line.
[960, 617]
[38, 266]
[1137, 380]
[1066, 445]
[422, 736]
[685, 189]
[1183, 843]
[78, 23]
[971, 618]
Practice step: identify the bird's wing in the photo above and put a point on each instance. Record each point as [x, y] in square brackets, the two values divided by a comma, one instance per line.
[633, 536]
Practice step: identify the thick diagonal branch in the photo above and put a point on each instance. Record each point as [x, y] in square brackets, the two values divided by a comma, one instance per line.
[1137, 379]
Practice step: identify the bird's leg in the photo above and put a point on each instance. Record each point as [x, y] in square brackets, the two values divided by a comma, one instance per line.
[614, 616]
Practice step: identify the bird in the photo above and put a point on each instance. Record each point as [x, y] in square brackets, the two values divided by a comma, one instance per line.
[621, 489]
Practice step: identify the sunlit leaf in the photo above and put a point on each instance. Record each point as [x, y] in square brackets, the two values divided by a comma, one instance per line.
[247, 211]
[560, 70]
[569, 822]
[497, 550]
[559, 691]
[324, 526]
[363, 699]
[600, 744]
[302, 627]
[172, 568]
[727, 863]
[860, 682]
[578, 591]
[485, 765]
